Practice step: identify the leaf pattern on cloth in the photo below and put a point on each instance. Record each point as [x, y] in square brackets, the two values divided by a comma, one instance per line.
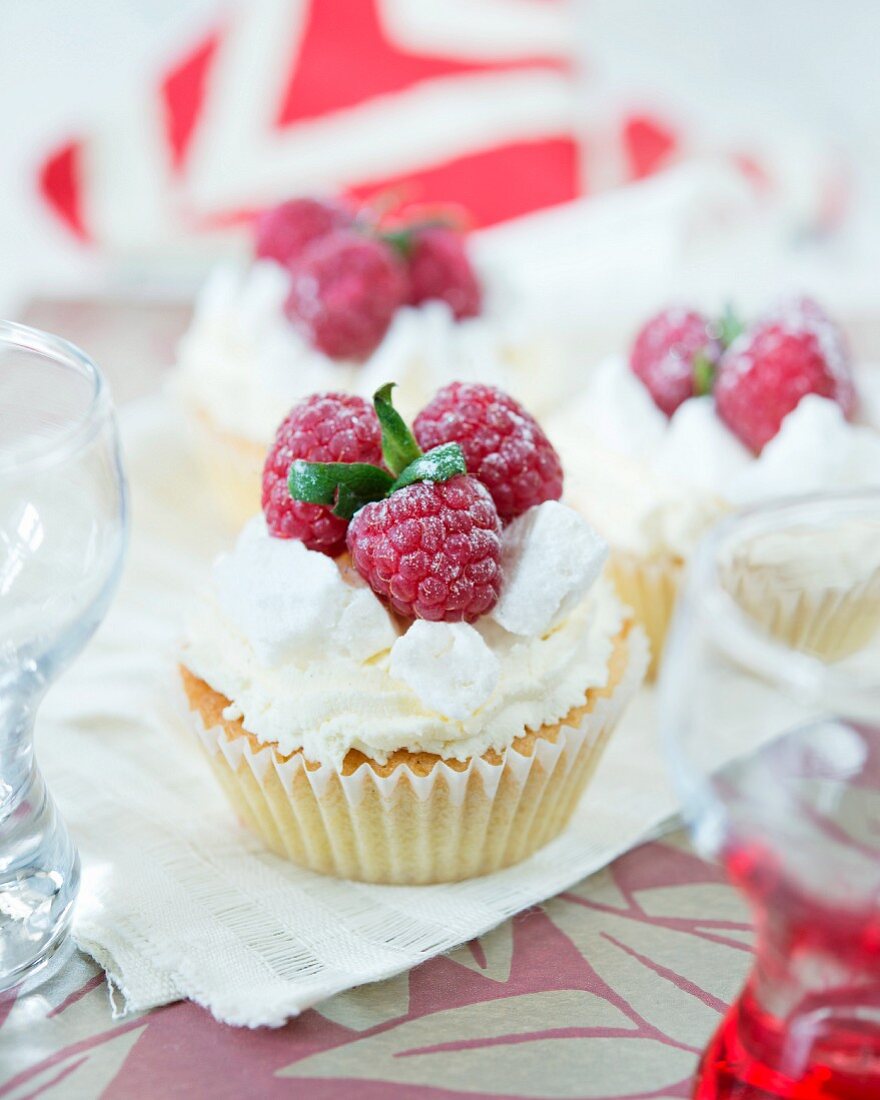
[606, 992]
[490, 955]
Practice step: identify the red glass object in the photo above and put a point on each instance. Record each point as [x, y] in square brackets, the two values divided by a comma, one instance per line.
[770, 709]
[807, 1025]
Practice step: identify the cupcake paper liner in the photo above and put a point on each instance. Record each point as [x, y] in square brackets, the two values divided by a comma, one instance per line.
[829, 622]
[649, 586]
[418, 818]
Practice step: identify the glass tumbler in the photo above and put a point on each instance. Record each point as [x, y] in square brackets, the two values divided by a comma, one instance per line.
[62, 537]
[770, 710]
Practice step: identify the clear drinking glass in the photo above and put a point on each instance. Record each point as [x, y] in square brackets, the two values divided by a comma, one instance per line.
[770, 709]
[62, 536]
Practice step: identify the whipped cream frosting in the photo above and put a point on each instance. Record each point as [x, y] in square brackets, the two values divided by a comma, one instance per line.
[244, 365]
[653, 485]
[316, 692]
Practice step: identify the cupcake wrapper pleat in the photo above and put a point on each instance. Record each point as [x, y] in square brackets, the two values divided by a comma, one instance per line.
[828, 622]
[408, 828]
[649, 586]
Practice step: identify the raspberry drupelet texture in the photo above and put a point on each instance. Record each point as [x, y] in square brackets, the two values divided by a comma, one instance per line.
[344, 292]
[283, 232]
[764, 374]
[432, 549]
[439, 268]
[504, 446]
[664, 352]
[329, 427]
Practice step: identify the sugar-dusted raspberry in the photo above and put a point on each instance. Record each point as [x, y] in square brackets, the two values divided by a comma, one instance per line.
[664, 356]
[762, 377]
[503, 445]
[344, 292]
[432, 549]
[283, 232]
[328, 427]
[439, 268]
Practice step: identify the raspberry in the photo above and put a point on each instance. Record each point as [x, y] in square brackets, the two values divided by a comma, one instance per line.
[328, 427]
[283, 232]
[663, 355]
[764, 374]
[503, 445]
[344, 292]
[439, 268]
[432, 549]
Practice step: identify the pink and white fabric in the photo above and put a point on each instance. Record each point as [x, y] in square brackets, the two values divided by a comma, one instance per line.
[489, 103]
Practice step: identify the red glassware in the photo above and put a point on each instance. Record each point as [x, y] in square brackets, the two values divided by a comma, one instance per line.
[770, 708]
[823, 962]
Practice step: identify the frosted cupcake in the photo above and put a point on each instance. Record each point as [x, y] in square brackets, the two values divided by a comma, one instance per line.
[392, 685]
[331, 300]
[704, 417]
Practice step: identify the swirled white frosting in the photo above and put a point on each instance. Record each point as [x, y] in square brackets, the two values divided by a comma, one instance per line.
[322, 692]
[653, 485]
[243, 364]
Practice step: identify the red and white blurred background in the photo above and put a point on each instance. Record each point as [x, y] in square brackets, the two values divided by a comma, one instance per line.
[139, 134]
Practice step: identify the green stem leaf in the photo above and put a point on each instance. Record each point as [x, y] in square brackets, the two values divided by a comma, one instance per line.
[399, 447]
[347, 486]
[704, 374]
[729, 326]
[402, 239]
[440, 464]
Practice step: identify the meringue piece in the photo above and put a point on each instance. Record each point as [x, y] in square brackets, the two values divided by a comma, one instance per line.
[550, 557]
[365, 628]
[292, 604]
[698, 449]
[447, 665]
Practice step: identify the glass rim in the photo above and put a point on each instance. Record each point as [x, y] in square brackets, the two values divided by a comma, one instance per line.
[742, 637]
[74, 436]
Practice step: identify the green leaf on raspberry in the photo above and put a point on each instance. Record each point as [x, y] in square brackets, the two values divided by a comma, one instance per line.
[704, 374]
[440, 464]
[347, 486]
[403, 238]
[399, 447]
[729, 326]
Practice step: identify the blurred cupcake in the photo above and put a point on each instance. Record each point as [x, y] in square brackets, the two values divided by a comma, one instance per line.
[429, 703]
[814, 590]
[702, 418]
[333, 299]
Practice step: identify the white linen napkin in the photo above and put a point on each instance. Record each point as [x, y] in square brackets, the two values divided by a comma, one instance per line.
[177, 899]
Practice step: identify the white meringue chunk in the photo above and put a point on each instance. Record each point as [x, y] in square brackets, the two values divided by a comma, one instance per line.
[550, 557]
[447, 665]
[292, 604]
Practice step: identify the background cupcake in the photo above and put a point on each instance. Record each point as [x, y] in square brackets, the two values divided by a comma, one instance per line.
[334, 298]
[431, 704]
[704, 417]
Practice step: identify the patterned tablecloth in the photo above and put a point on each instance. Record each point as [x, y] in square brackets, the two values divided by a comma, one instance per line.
[608, 991]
